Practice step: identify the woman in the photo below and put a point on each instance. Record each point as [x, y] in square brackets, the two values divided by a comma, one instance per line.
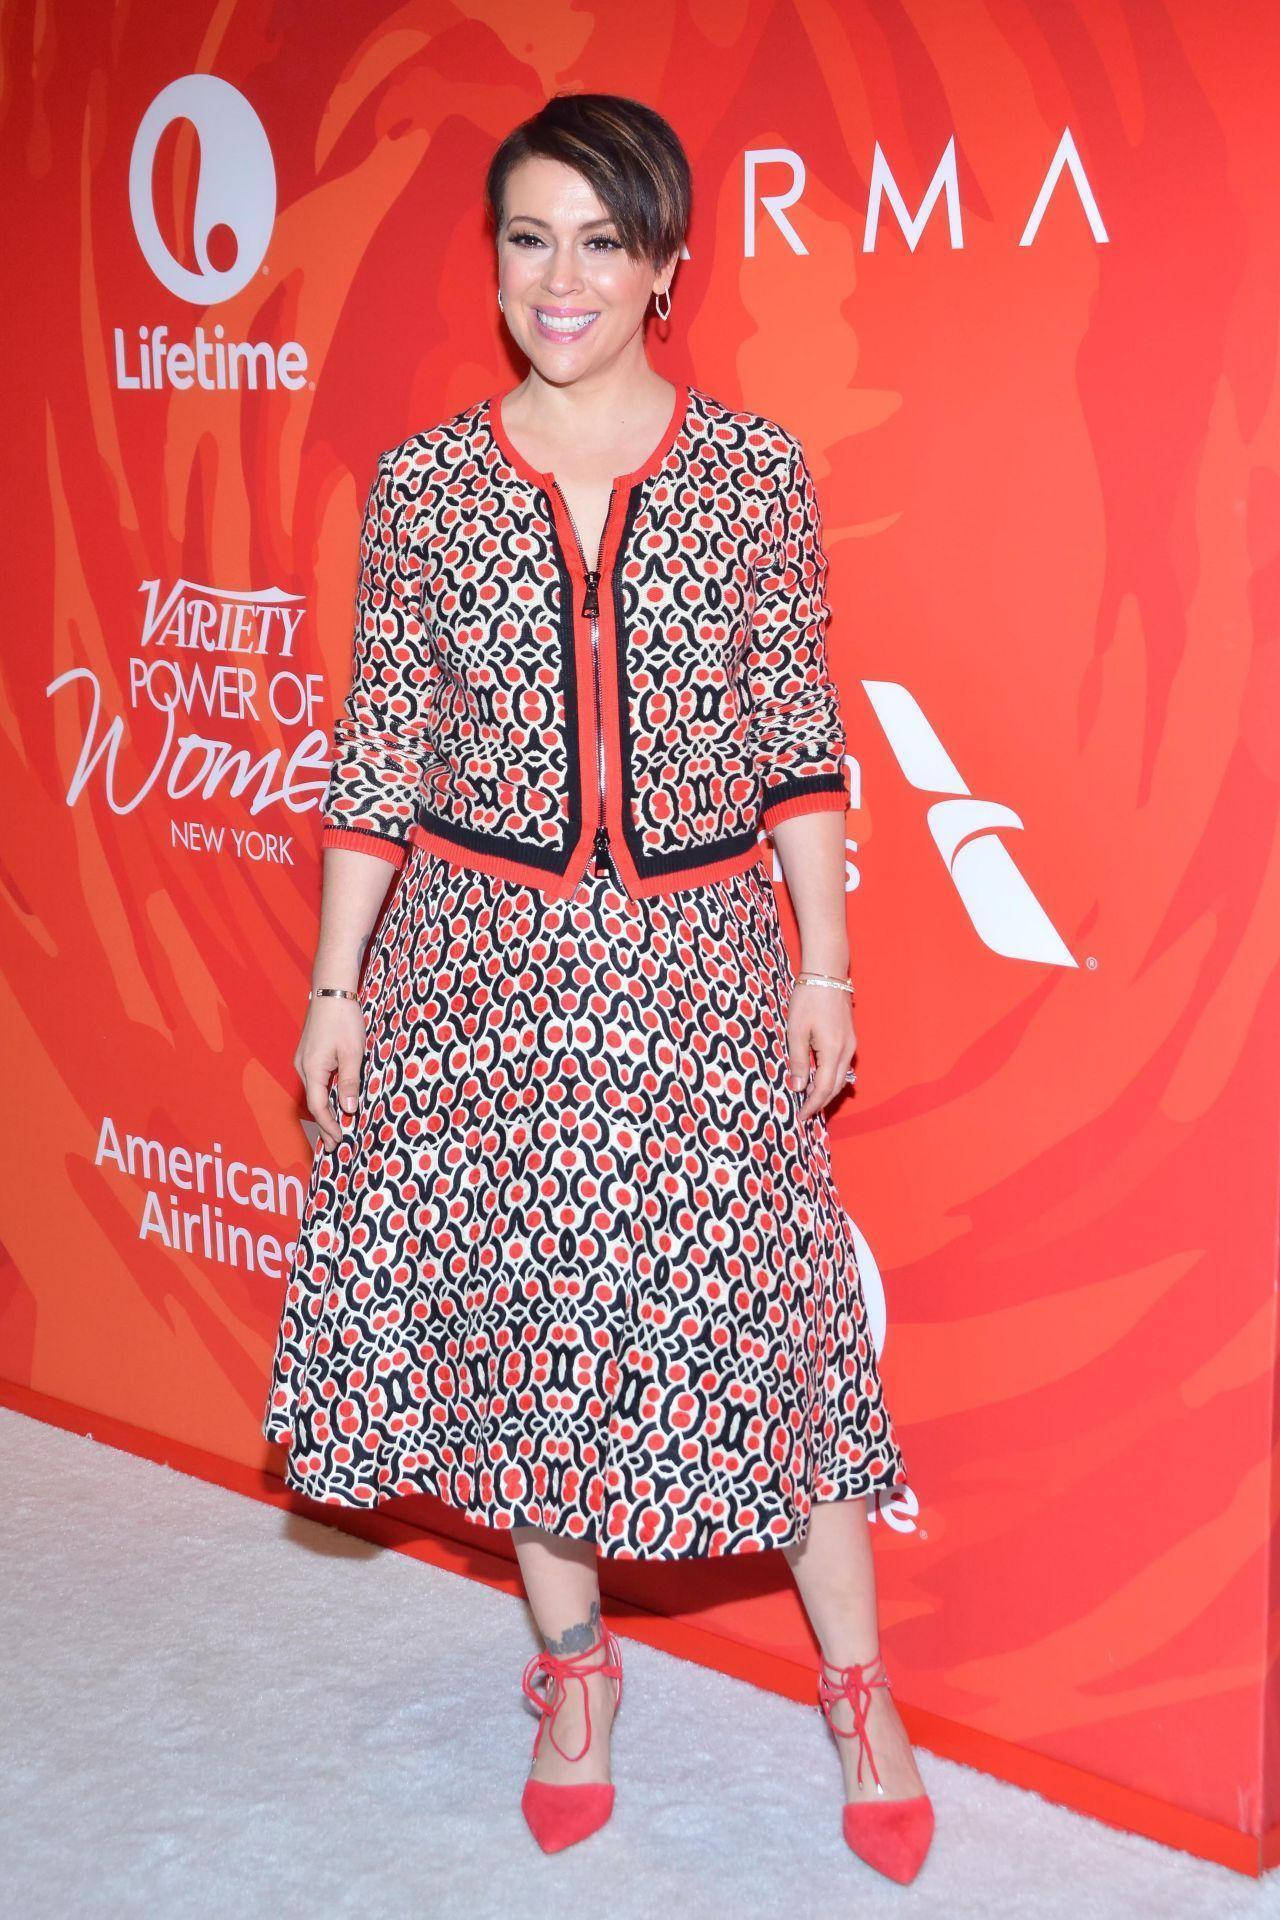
[572, 1258]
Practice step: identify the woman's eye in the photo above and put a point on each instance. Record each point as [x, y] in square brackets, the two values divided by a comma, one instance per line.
[597, 240]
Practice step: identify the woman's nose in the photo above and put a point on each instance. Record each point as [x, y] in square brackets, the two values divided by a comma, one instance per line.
[562, 276]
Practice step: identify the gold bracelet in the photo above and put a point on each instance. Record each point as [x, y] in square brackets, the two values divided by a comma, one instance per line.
[826, 980]
[336, 993]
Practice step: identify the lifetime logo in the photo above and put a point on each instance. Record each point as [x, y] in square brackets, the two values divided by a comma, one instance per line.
[1004, 911]
[234, 215]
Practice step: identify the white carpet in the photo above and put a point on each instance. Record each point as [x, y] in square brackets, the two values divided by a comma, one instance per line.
[211, 1708]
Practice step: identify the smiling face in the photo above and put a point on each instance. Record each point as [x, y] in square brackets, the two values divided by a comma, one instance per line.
[573, 298]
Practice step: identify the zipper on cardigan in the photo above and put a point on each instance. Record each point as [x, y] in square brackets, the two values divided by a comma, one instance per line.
[591, 607]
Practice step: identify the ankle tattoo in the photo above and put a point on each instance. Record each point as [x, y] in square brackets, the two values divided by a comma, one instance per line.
[578, 1638]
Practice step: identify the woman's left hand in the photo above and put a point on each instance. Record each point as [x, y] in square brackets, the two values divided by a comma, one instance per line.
[819, 1020]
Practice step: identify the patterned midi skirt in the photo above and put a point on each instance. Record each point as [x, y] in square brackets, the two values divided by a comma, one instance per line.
[576, 1261]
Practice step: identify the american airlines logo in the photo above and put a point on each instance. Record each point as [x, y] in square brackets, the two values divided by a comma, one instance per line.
[966, 830]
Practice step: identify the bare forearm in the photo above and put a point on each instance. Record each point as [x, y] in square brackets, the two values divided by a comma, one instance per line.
[354, 886]
[811, 847]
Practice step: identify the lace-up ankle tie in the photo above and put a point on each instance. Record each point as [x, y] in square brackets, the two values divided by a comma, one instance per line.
[555, 1674]
[852, 1685]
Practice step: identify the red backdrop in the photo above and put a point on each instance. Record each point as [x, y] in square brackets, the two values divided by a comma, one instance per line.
[1010, 273]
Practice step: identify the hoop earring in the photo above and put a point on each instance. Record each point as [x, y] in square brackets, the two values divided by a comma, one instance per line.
[500, 300]
[665, 294]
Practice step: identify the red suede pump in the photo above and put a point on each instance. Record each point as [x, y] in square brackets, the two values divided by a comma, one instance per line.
[560, 1815]
[891, 1835]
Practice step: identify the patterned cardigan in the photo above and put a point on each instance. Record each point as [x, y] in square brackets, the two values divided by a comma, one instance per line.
[514, 711]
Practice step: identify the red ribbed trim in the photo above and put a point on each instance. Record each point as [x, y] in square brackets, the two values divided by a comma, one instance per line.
[806, 803]
[357, 842]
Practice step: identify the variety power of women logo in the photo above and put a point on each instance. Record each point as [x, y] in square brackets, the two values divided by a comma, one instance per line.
[212, 672]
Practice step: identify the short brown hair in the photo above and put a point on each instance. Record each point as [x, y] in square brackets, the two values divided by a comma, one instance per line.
[630, 154]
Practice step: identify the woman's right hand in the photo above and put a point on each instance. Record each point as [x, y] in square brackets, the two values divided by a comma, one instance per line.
[332, 1042]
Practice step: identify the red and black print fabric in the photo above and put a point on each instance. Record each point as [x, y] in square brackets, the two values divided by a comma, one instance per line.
[576, 1261]
[481, 721]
